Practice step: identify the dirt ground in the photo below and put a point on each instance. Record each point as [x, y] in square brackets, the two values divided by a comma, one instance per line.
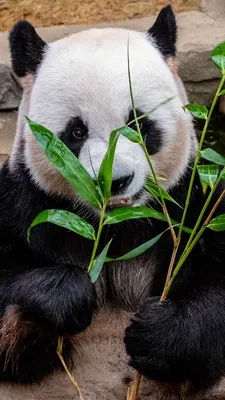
[70, 12]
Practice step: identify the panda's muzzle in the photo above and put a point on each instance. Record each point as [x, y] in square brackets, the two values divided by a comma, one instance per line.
[121, 184]
[118, 193]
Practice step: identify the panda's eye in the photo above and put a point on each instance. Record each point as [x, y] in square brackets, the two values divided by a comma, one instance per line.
[78, 133]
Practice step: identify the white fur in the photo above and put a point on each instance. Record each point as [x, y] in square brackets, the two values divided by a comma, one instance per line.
[86, 75]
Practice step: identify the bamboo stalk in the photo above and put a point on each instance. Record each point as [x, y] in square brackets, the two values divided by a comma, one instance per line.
[133, 389]
[71, 377]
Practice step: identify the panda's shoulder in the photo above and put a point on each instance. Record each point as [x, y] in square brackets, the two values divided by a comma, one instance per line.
[20, 198]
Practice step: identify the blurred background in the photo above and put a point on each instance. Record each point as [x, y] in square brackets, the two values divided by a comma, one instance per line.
[70, 12]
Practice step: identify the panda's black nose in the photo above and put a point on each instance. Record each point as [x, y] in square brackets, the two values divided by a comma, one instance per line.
[120, 184]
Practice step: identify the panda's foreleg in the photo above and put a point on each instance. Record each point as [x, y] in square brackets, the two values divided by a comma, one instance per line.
[183, 338]
[180, 342]
[61, 299]
[38, 305]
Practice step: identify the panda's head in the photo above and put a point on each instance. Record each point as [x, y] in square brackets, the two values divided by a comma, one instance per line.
[78, 88]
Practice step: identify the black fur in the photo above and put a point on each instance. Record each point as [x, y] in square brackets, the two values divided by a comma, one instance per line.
[27, 49]
[69, 135]
[34, 358]
[183, 338]
[150, 131]
[164, 32]
[53, 293]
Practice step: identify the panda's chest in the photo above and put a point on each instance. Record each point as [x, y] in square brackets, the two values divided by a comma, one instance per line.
[125, 283]
[129, 283]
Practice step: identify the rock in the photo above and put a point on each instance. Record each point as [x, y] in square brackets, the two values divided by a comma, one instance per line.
[10, 91]
[3, 158]
[201, 92]
[7, 132]
[213, 8]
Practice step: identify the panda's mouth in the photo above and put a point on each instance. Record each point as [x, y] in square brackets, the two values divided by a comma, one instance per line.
[115, 202]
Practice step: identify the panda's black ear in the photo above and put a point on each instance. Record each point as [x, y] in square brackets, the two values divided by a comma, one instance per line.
[26, 47]
[164, 32]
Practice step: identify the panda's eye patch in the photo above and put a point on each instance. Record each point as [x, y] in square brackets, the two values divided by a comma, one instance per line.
[151, 133]
[74, 135]
[131, 120]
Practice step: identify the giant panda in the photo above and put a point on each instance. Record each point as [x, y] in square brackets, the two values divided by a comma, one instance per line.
[78, 88]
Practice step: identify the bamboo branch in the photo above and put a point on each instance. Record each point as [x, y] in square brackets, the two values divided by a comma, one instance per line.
[133, 389]
[71, 377]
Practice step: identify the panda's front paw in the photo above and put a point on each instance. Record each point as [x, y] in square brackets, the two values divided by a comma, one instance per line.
[165, 344]
[147, 342]
[60, 299]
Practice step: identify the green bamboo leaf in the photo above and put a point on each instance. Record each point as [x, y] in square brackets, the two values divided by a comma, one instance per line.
[130, 134]
[198, 111]
[105, 172]
[125, 213]
[208, 174]
[155, 190]
[66, 163]
[218, 57]
[65, 219]
[138, 250]
[217, 224]
[98, 263]
[140, 117]
[222, 173]
[213, 156]
[222, 93]
[204, 187]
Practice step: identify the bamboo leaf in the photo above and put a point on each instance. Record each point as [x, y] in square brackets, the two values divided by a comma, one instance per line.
[65, 219]
[127, 213]
[213, 156]
[130, 134]
[204, 187]
[198, 111]
[105, 172]
[98, 264]
[163, 103]
[138, 250]
[217, 224]
[222, 173]
[155, 190]
[66, 163]
[222, 93]
[218, 57]
[208, 174]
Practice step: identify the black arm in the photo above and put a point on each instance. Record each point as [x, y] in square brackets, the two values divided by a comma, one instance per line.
[36, 305]
[183, 338]
[59, 298]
